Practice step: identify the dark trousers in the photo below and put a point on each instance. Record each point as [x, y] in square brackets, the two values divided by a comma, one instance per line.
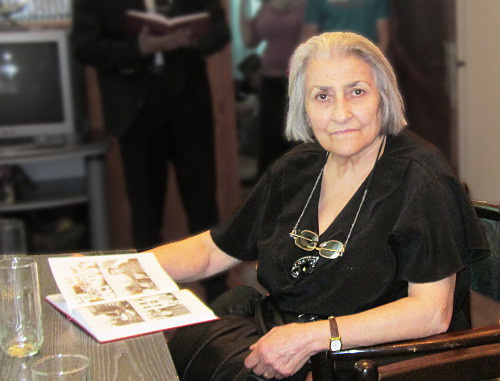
[272, 104]
[169, 128]
[217, 350]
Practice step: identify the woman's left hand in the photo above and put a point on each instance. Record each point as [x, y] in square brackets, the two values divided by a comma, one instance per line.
[281, 352]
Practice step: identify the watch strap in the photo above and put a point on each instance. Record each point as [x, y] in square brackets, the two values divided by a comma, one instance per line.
[334, 329]
[334, 333]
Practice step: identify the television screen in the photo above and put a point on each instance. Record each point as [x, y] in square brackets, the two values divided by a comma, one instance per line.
[35, 88]
[30, 87]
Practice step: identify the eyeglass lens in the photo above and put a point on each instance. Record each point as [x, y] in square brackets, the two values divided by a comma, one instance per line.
[306, 240]
[331, 249]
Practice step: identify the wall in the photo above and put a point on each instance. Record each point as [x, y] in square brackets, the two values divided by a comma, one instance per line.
[238, 49]
[423, 32]
[478, 39]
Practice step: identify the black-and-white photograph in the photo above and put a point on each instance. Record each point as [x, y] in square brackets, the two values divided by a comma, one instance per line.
[161, 306]
[117, 313]
[128, 277]
[88, 284]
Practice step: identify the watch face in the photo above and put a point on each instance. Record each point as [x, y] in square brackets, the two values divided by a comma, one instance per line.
[335, 345]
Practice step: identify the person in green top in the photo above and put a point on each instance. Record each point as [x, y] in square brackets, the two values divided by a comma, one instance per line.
[369, 18]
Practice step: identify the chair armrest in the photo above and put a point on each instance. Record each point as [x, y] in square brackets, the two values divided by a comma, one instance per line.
[344, 360]
[480, 362]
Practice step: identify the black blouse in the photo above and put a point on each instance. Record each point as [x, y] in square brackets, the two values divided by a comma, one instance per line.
[417, 225]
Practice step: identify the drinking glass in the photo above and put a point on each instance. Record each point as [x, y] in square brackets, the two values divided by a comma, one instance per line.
[61, 367]
[21, 332]
[12, 237]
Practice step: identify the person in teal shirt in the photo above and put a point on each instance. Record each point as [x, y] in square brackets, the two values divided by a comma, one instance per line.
[370, 18]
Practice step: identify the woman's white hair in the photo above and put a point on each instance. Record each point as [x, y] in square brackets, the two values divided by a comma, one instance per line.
[328, 45]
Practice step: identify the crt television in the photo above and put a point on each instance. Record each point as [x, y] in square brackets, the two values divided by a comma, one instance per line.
[36, 100]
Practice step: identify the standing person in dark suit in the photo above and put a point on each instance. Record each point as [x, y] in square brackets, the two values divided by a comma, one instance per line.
[156, 101]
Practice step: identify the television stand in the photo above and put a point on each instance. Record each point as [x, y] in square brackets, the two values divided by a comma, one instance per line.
[59, 192]
[16, 143]
[46, 141]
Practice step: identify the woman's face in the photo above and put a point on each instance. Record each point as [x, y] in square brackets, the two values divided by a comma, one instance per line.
[342, 103]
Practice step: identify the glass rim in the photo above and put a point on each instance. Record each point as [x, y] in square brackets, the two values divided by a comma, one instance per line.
[16, 262]
[85, 364]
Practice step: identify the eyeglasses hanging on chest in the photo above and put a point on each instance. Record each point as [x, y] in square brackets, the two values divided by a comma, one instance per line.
[309, 240]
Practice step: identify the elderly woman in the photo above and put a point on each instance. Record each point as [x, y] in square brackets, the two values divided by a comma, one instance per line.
[362, 233]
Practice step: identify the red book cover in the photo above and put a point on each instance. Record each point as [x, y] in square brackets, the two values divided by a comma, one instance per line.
[160, 25]
[104, 332]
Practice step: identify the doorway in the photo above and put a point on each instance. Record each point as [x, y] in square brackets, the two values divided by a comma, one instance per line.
[423, 55]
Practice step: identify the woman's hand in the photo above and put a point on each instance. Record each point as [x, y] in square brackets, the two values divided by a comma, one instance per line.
[282, 351]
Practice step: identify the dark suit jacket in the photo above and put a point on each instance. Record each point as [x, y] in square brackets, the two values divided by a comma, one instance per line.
[100, 39]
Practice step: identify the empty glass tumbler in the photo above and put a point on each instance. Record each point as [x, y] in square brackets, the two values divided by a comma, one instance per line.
[21, 332]
[61, 367]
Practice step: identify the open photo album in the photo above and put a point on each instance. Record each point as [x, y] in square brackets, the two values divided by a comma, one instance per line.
[113, 297]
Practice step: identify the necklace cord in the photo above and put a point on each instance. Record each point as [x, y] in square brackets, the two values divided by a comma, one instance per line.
[310, 195]
[360, 204]
[364, 194]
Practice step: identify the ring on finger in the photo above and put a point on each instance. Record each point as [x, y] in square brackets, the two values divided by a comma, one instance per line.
[268, 374]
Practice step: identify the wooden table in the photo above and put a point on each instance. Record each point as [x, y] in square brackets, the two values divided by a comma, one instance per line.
[141, 358]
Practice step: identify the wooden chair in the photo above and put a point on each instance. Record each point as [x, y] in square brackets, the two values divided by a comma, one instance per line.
[475, 353]
[474, 363]
[472, 354]
[485, 273]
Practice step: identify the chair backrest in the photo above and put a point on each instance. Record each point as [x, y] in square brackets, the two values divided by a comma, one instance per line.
[485, 273]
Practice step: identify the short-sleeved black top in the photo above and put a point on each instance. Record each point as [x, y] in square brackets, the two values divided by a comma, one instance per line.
[416, 225]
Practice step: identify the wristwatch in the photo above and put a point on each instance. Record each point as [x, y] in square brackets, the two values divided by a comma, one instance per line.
[335, 340]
